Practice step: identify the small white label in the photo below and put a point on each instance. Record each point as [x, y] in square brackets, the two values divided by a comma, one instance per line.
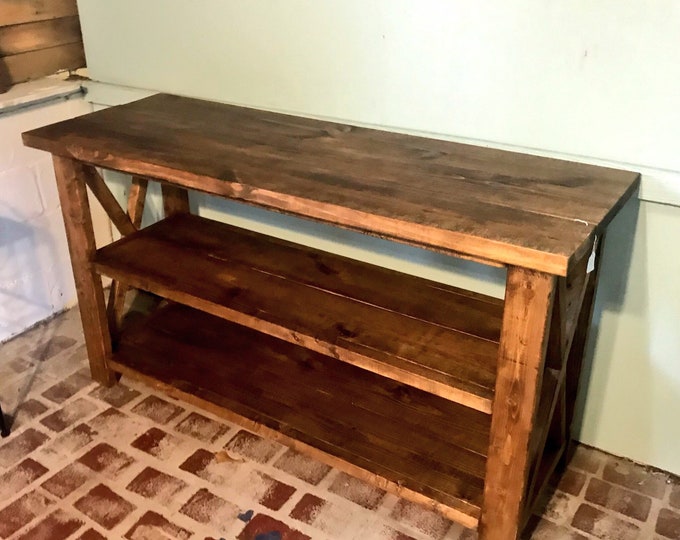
[591, 259]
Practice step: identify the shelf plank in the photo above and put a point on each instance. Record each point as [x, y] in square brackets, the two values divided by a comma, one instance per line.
[415, 444]
[437, 338]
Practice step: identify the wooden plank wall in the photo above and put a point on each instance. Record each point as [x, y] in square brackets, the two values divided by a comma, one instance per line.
[38, 38]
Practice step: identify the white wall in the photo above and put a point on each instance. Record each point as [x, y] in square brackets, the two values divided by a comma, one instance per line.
[35, 270]
[595, 81]
[633, 397]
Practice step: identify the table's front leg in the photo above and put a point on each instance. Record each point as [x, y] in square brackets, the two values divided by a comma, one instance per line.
[75, 207]
[524, 336]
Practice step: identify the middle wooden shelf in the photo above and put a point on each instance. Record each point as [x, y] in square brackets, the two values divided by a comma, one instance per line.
[437, 338]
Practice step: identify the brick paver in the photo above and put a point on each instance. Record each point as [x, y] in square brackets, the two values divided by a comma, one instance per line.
[302, 467]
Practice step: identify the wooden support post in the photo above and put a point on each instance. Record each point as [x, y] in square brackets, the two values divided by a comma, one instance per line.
[551, 436]
[115, 307]
[175, 200]
[4, 429]
[75, 208]
[524, 336]
[136, 199]
[135, 212]
[578, 348]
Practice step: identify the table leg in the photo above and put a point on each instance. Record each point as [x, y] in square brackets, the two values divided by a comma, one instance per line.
[75, 208]
[175, 200]
[524, 336]
[118, 291]
[578, 349]
[4, 430]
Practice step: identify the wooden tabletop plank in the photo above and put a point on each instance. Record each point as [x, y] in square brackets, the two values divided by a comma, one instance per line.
[494, 205]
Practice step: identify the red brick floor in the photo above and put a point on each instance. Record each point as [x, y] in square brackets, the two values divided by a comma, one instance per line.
[86, 462]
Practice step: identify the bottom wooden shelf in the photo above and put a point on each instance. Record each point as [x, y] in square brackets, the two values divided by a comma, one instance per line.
[420, 446]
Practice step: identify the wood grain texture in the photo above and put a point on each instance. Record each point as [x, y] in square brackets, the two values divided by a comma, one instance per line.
[136, 200]
[115, 307]
[578, 346]
[397, 437]
[100, 190]
[552, 431]
[35, 64]
[39, 35]
[436, 338]
[524, 337]
[24, 11]
[175, 200]
[546, 440]
[80, 235]
[135, 211]
[492, 205]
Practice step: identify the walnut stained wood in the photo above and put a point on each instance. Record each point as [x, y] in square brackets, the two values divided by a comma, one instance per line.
[303, 396]
[175, 200]
[489, 204]
[119, 290]
[75, 208]
[394, 365]
[119, 218]
[399, 326]
[524, 338]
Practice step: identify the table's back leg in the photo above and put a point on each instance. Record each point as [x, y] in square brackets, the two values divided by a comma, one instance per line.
[117, 294]
[75, 208]
[524, 336]
[4, 429]
[578, 348]
[175, 200]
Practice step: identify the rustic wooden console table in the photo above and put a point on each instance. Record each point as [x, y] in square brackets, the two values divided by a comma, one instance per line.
[446, 397]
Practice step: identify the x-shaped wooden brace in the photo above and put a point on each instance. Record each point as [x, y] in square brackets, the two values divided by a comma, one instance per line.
[571, 318]
[175, 201]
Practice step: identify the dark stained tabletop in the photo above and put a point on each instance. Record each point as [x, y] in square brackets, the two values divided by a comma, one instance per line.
[497, 206]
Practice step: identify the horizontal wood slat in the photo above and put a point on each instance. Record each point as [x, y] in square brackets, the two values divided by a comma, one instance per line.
[23, 38]
[436, 338]
[496, 206]
[35, 64]
[403, 439]
[24, 11]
